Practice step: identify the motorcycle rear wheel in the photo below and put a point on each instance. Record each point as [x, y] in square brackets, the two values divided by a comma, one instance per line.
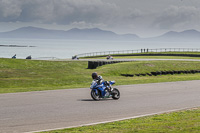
[95, 96]
[115, 94]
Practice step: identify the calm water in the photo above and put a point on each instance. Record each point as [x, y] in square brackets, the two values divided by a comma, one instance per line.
[48, 49]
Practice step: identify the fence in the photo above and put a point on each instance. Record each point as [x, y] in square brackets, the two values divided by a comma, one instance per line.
[139, 51]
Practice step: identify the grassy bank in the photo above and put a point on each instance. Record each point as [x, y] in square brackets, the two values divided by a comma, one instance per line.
[154, 55]
[145, 57]
[187, 121]
[28, 75]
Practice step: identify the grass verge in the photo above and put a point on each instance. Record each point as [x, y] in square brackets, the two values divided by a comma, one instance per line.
[29, 75]
[187, 121]
[151, 55]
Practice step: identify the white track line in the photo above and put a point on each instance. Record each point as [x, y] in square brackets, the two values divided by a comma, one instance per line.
[127, 118]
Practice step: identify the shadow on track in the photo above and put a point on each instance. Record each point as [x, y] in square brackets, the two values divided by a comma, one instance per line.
[94, 100]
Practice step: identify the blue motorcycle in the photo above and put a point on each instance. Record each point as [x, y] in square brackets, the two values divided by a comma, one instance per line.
[104, 90]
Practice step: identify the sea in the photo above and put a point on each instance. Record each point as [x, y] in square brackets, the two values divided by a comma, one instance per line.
[47, 49]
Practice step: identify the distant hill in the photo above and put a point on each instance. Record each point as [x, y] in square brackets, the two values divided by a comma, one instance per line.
[187, 35]
[75, 34]
[96, 34]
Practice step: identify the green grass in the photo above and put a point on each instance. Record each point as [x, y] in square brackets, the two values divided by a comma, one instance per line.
[187, 121]
[150, 55]
[153, 57]
[148, 66]
[164, 53]
[28, 75]
[146, 57]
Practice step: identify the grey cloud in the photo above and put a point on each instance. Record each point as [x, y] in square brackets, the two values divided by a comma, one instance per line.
[55, 11]
[9, 10]
[175, 16]
[68, 12]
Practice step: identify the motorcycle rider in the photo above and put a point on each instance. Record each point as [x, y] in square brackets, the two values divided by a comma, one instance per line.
[97, 78]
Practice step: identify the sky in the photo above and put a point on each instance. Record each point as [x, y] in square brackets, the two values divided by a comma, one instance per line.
[146, 18]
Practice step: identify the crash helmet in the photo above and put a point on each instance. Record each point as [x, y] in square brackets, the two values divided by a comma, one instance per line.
[94, 75]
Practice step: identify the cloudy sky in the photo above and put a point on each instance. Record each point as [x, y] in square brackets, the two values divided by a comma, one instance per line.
[145, 18]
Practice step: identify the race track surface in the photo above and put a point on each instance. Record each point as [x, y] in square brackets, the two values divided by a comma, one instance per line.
[46, 110]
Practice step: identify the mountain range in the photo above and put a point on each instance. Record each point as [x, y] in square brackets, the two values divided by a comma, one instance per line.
[74, 34]
[96, 34]
[187, 35]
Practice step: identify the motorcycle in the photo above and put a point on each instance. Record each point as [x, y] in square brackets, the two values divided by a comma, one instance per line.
[109, 57]
[104, 90]
[75, 57]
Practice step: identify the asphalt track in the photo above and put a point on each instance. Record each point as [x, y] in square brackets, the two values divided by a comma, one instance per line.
[47, 110]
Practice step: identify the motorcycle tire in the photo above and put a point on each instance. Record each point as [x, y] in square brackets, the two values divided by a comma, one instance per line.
[95, 96]
[115, 94]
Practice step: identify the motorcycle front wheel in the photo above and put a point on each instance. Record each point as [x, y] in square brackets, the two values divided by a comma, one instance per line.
[95, 95]
[115, 94]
